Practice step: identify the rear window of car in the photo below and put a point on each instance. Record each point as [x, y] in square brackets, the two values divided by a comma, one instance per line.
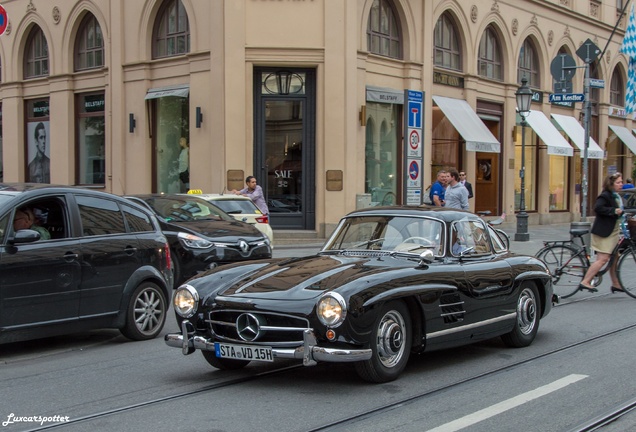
[237, 206]
[100, 216]
[138, 221]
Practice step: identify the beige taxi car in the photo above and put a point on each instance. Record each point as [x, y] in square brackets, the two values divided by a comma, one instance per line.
[243, 209]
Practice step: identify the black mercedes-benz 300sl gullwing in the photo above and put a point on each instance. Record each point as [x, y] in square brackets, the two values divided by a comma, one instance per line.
[388, 282]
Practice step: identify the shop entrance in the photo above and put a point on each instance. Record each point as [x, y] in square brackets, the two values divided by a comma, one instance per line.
[170, 139]
[284, 147]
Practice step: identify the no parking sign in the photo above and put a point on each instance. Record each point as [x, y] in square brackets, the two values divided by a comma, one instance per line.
[3, 20]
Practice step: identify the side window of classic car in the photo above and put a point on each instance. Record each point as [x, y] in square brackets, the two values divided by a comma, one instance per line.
[100, 216]
[497, 242]
[469, 237]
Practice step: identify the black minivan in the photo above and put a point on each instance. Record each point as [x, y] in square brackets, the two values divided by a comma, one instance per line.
[85, 260]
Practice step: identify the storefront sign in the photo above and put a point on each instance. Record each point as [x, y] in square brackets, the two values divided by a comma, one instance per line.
[94, 103]
[382, 95]
[537, 96]
[40, 108]
[617, 112]
[447, 79]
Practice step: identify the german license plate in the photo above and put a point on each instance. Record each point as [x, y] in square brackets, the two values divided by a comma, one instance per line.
[243, 352]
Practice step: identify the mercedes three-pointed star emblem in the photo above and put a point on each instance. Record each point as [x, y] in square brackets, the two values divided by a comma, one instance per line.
[248, 327]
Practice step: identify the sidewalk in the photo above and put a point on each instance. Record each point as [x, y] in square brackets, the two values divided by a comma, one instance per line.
[538, 234]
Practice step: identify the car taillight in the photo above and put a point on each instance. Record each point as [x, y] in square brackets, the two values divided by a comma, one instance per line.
[168, 257]
[262, 219]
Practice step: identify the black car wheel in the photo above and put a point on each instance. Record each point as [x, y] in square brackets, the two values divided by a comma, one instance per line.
[146, 312]
[221, 363]
[390, 346]
[527, 322]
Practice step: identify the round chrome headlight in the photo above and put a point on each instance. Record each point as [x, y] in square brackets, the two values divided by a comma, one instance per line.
[331, 309]
[185, 301]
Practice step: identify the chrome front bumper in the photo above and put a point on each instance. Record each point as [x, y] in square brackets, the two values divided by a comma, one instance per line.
[309, 352]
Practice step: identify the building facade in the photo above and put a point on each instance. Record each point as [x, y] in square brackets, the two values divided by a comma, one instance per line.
[312, 98]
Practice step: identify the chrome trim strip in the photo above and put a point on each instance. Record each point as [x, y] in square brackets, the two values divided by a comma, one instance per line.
[452, 313]
[451, 304]
[509, 316]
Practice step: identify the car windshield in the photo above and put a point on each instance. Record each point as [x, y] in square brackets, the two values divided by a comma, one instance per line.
[186, 209]
[388, 233]
[237, 206]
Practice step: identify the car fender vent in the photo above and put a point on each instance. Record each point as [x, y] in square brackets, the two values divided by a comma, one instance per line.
[451, 308]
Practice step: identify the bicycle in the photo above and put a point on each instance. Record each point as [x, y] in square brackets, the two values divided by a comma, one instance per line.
[494, 222]
[568, 262]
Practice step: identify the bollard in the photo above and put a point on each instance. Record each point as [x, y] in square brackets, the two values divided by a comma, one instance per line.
[588, 237]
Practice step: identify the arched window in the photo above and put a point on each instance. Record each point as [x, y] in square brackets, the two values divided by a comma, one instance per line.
[36, 55]
[617, 89]
[383, 31]
[447, 52]
[89, 45]
[489, 63]
[171, 35]
[528, 64]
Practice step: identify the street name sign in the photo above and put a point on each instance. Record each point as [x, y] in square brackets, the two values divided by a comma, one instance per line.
[567, 97]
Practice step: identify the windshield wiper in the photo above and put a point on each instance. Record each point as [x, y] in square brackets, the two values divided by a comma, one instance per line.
[368, 243]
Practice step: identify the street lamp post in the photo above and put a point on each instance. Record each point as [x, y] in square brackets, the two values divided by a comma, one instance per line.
[524, 99]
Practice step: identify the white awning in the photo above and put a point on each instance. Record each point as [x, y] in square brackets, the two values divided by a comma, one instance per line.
[557, 145]
[470, 127]
[159, 92]
[576, 133]
[626, 136]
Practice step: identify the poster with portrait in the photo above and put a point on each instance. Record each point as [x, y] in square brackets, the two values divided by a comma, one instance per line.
[38, 152]
[484, 169]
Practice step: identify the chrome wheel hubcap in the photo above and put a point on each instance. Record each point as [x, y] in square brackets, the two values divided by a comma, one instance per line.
[390, 339]
[527, 311]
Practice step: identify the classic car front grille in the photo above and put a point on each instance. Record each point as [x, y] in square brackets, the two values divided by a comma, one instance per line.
[272, 329]
[451, 308]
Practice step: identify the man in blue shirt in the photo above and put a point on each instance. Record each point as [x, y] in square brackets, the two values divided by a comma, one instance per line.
[438, 189]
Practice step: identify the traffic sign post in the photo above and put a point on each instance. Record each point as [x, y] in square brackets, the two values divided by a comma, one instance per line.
[413, 166]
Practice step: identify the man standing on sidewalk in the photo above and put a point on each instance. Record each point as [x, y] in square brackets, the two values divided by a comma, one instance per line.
[438, 188]
[456, 195]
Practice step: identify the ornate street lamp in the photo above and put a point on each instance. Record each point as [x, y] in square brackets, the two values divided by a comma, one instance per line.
[524, 99]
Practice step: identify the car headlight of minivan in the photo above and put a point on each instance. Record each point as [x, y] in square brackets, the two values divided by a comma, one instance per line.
[185, 301]
[331, 309]
[194, 242]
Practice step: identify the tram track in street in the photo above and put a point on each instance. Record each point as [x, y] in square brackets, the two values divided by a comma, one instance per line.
[610, 416]
[342, 423]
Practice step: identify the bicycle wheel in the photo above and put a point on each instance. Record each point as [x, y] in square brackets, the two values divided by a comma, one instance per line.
[626, 271]
[566, 267]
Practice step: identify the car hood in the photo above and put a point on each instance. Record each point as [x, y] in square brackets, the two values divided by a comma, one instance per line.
[307, 278]
[218, 230]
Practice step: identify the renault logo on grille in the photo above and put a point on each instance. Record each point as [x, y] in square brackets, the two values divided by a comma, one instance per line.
[244, 246]
[248, 327]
